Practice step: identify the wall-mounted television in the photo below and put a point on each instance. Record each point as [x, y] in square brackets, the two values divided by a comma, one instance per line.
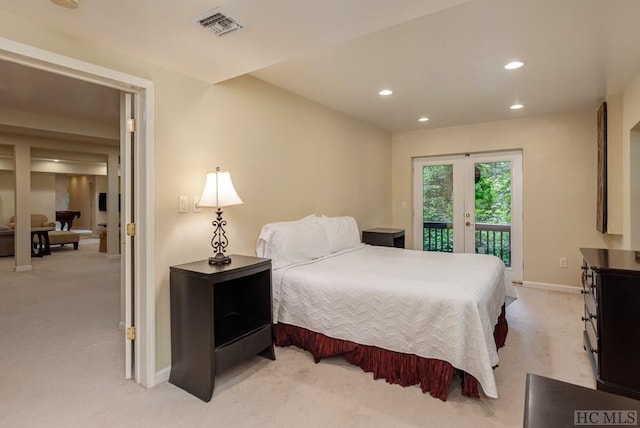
[102, 201]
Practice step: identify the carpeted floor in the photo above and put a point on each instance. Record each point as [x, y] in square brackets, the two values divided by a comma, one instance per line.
[61, 365]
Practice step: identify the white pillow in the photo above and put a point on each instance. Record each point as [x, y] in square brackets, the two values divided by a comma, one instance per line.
[290, 242]
[342, 232]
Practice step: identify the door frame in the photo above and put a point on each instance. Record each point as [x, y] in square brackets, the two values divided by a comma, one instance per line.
[143, 255]
[463, 198]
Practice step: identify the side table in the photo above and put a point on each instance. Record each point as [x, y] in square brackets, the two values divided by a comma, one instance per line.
[41, 244]
[220, 316]
[384, 237]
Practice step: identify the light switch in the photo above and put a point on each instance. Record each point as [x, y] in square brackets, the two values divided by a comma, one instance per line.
[182, 204]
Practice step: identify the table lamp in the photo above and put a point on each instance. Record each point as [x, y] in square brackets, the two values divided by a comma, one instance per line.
[219, 192]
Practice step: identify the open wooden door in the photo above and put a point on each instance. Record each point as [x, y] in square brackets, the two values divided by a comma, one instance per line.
[127, 229]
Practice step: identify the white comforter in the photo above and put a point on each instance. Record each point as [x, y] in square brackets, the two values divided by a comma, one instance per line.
[434, 305]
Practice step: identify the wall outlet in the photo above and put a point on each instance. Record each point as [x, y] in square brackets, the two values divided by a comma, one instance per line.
[563, 262]
[182, 204]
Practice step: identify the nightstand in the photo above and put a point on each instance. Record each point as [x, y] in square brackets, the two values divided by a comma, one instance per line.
[220, 316]
[384, 237]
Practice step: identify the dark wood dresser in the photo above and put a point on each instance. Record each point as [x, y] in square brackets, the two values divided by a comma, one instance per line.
[611, 289]
[550, 403]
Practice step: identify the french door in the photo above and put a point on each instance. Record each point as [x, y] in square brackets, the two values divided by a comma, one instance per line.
[470, 203]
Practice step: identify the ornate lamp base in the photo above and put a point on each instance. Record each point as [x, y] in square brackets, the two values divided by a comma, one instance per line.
[219, 259]
[219, 241]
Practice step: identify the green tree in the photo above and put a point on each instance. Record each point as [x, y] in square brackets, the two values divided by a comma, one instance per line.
[493, 193]
[437, 185]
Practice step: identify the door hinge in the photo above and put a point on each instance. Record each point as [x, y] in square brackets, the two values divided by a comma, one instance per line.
[131, 125]
[131, 229]
[131, 333]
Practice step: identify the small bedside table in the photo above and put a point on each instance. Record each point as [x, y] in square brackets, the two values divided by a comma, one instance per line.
[384, 237]
[220, 316]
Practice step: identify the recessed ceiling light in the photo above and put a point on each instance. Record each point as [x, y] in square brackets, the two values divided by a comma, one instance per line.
[516, 107]
[514, 65]
[385, 92]
[423, 119]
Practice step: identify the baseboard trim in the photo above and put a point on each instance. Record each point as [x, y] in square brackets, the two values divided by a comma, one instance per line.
[25, 268]
[113, 256]
[162, 375]
[552, 287]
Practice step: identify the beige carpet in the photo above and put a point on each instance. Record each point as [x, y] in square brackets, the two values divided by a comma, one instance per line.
[61, 365]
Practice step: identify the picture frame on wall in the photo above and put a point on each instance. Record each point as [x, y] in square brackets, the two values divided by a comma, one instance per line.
[601, 213]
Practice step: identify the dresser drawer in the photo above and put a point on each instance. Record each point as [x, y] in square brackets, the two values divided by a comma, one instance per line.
[589, 283]
[593, 336]
[589, 318]
[591, 308]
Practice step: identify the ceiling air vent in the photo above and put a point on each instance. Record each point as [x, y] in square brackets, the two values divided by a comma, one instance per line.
[215, 20]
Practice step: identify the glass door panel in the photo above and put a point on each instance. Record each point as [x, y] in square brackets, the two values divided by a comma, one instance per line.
[437, 208]
[492, 229]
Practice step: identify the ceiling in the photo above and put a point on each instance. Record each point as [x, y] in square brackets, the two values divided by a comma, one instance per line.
[442, 58]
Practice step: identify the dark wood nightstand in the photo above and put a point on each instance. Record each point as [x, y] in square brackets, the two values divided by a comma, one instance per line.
[384, 237]
[220, 316]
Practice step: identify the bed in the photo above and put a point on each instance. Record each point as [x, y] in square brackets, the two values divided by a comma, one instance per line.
[411, 317]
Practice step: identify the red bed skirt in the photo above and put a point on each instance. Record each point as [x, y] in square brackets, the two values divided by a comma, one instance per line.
[434, 376]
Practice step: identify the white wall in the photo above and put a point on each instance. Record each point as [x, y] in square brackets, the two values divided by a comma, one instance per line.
[559, 183]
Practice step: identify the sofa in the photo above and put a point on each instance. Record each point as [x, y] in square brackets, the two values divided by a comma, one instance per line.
[37, 220]
[56, 237]
[7, 240]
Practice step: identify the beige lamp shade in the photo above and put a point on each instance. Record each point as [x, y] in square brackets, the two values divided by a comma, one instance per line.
[218, 191]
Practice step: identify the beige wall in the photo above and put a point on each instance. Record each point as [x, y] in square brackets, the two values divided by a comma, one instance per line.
[101, 186]
[43, 194]
[288, 157]
[634, 199]
[630, 120]
[559, 183]
[7, 196]
[81, 194]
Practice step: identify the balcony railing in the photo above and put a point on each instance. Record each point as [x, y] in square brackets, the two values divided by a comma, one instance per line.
[492, 239]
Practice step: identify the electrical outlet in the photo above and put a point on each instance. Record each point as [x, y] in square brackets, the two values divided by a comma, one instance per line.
[563, 262]
[182, 204]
